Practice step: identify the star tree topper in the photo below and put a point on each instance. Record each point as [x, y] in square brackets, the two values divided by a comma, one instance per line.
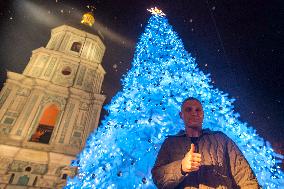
[156, 11]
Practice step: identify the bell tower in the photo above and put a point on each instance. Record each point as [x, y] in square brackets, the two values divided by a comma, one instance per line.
[48, 111]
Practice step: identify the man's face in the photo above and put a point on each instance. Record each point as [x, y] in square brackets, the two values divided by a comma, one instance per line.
[192, 114]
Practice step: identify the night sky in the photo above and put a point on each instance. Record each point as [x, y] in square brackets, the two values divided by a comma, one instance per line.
[238, 42]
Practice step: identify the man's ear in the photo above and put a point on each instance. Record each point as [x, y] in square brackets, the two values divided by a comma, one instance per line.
[181, 115]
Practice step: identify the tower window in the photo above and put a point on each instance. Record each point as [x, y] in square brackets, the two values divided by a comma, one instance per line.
[8, 120]
[34, 183]
[11, 178]
[23, 180]
[64, 176]
[76, 46]
[46, 125]
[66, 70]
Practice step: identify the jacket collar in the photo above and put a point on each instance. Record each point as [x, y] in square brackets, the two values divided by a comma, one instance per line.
[182, 133]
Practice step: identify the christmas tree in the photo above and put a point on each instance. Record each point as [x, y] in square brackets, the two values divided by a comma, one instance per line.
[121, 153]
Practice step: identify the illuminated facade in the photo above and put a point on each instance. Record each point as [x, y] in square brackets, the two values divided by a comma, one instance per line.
[48, 111]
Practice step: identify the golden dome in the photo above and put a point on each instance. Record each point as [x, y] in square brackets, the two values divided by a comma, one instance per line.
[88, 19]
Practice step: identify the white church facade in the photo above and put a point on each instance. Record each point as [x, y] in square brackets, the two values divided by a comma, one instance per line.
[48, 111]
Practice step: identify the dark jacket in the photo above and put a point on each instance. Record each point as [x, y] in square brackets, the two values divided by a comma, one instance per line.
[223, 166]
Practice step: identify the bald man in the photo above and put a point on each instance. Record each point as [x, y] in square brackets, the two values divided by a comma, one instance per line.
[200, 158]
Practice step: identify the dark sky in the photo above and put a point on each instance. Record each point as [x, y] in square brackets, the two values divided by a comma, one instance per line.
[238, 42]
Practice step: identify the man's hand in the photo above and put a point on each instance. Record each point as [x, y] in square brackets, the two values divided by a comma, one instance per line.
[191, 161]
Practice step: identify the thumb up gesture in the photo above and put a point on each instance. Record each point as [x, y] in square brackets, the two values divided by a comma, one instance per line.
[191, 161]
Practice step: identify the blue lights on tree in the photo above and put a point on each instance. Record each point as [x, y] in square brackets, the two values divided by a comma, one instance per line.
[121, 153]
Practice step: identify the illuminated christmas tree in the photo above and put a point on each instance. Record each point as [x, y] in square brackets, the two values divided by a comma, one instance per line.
[121, 153]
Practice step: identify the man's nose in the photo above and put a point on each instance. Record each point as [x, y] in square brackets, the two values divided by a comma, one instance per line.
[194, 113]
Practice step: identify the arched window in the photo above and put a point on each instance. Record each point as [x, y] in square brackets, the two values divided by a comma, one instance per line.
[76, 46]
[64, 176]
[46, 125]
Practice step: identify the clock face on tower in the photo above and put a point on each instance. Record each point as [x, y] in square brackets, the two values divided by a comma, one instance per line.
[66, 70]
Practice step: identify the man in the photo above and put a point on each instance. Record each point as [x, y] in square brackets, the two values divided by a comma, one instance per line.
[197, 158]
